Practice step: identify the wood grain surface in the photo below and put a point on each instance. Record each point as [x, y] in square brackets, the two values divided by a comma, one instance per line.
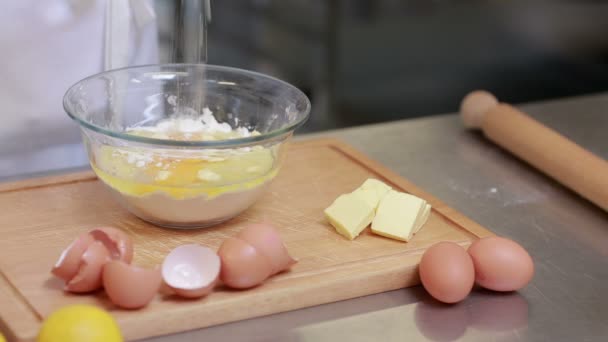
[41, 217]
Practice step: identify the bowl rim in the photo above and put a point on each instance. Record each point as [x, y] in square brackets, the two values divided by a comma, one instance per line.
[226, 143]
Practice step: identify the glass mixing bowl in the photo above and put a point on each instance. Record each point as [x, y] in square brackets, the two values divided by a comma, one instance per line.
[185, 145]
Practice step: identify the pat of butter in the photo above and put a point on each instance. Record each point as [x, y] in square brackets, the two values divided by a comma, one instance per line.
[397, 215]
[349, 214]
[372, 191]
[423, 217]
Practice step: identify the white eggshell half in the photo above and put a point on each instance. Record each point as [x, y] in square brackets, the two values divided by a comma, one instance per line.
[191, 271]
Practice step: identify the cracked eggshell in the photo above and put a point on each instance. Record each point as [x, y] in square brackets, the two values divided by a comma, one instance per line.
[266, 239]
[118, 243]
[69, 261]
[129, 286]
[191, 271]
[89, 273]
[242, 265]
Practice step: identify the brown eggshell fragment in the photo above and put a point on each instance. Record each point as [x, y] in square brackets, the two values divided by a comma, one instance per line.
[501, 264]
[242, 265]
[128, 286]
[69, 260]
[118, 243]
[88, 277]
[191, 271]
[266, 239]
[446, 272]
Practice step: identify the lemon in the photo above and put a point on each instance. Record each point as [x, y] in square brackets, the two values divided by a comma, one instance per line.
[80, 323]
[2, 339]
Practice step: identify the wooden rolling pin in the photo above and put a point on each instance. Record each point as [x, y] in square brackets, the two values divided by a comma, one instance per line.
[540, 146]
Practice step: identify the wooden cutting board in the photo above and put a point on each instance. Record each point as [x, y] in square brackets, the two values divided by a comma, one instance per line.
[41, 217]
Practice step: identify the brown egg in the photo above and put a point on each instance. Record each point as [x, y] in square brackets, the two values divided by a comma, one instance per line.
[69, 261]
[191, 271]
[501, 264]
[88, 277]
[446, 272]
[242, 265]
[266, 239]
[117, 242]
[129, 286]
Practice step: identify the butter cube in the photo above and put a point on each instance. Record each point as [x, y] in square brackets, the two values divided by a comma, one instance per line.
[349, 214]
[423, 217]
[397, 215]
[372, 191]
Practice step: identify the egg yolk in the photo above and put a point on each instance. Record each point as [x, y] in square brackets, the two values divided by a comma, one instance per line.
[185, 174]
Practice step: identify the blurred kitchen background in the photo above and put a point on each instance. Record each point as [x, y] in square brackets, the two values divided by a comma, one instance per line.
[360, 61]
[364, 61]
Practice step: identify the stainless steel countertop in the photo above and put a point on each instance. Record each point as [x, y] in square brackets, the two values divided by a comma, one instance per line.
[566, 236]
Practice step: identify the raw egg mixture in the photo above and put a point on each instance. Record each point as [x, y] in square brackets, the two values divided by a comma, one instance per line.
[183, 173]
